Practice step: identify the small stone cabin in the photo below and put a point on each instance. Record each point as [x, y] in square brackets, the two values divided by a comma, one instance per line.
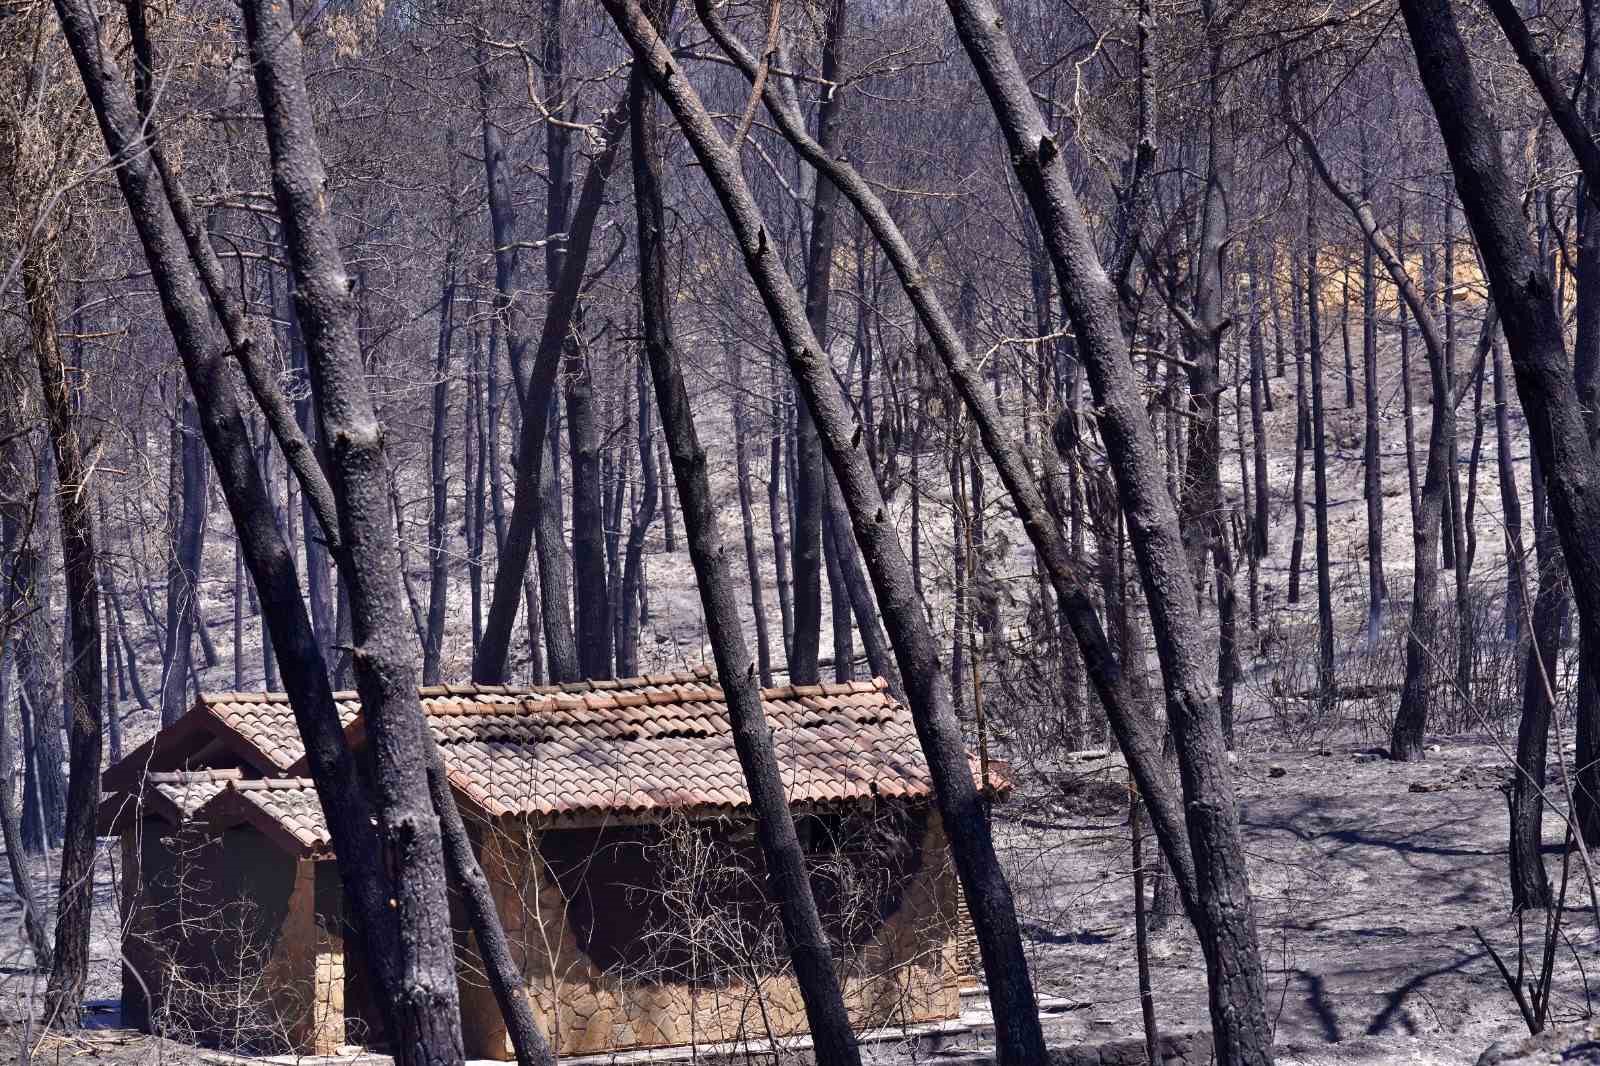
[612, 820]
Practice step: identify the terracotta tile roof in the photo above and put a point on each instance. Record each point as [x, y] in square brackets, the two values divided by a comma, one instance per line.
[285, 807]
[174, 796]
[604, 748]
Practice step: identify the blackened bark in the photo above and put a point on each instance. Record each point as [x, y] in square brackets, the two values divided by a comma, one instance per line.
[961, 573]
[1371, 452]
[1523, 299]
[69, 970]
[1260, 539]
[857, 587]
[16, 526]
[590, 591]
[129, 653]
[1302, 431]
[1510, 504]
[1138, 735]
[184, 560]
[805, 547]
[1319, 450]
[775, 515]
[439, 478]
[960, 806]
[1406, 738]
[643, 515]
[810, 486]
[752, 557]
[537, 386]
[1530, 884]
[44, 788]
[809, 949]
[428, 1009]
[1223, 919]
[844, 647]
[33, 915]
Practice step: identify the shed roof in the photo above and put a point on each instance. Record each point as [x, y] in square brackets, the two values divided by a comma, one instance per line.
[575, 752]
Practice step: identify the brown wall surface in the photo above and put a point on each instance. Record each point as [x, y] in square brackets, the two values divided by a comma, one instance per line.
[223, 930]
[630, 937]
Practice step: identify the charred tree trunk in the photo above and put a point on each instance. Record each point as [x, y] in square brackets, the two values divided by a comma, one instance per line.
[776, 467]
[591, 600]
[1530, 885]
[428, 1012]
[565, 267]
[1260, 539]
[184, 559]
[1326, 682]
[959, 802]
[1510, 505]
[809, 948]
[1302, 434]
[1371, 452]
[810, 487]
[439, 479]
[752, 557]
[84, 699]
[643, 515]
[213, 379]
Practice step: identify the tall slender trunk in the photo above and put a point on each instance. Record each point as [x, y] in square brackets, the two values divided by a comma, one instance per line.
[1260, 538]
[439, 479]
[1371, 452]
[776, 467]
[1510, 504]
[643, 515]
[958, 799]
[84, 699]
[752, 557]
[212, 377]
[184, 559]
[16, 525]
[1302, 430]
[1413, 488]
[1319, 445]
[810, 487]
[1530, 885]
[590, 597]
[385, 671]
[834, 1042]
[565, 267]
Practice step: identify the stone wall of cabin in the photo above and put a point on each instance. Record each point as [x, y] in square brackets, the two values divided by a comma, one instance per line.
[230, 941]
[902, 968]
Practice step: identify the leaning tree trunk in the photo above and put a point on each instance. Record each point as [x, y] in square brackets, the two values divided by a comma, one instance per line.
[384, 665]
[1534, 335]
[210, 370]
[1227, 931]
[834, 1041]
[538, 388]
[960, 805]
[1510, 504]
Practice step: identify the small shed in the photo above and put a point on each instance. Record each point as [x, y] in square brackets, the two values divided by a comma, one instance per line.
[611, 819]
